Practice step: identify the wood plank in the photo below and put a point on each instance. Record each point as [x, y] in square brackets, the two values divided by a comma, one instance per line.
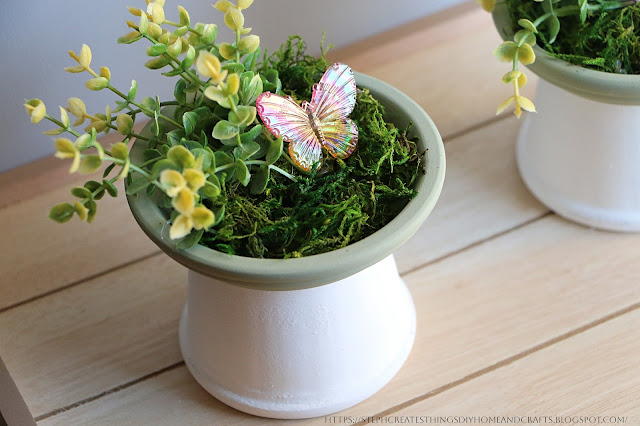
[595, 373]
[446, 65]
[96, 336]
[475, 309]
[39, 256]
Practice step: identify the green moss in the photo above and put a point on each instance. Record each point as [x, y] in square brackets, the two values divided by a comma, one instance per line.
[608, 41]
[343, 202]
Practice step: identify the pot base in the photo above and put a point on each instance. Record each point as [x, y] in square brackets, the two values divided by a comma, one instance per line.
[581, 158]
[301, 353]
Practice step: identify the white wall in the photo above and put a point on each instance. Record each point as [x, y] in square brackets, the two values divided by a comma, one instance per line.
[36, 36]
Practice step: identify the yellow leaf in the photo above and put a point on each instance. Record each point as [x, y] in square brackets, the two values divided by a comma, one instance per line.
[81, 210]
[208, 64]
[504, 105]
[244, 4]
[249, 44]
[184, 202]
[77, 107]
[134, 11]
[526, 104]
[195, 178]
[173, 181]
[227, 51]
[181, 227]
[506, 51]
[36, 110]
[202, 217]
[526, 55]
[85, 56]
[156, 11]
[233, 84]
[234, 19]
[487, 5]
[64, 148]
[223, 5]
[76, 69]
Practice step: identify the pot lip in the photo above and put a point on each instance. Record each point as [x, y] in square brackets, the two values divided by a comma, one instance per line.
[622, 89]
[325, 268]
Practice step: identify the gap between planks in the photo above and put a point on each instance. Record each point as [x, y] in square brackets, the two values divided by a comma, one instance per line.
[505, 362]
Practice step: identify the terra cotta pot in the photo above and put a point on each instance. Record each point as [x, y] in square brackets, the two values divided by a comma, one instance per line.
[308, 336]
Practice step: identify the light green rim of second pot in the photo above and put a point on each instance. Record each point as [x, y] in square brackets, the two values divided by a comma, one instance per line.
[325, 268]
[596, 85]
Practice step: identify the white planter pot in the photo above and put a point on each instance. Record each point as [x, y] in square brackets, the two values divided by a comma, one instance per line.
[309, 336]
[298, 353]
[580, 153]
[581, 158]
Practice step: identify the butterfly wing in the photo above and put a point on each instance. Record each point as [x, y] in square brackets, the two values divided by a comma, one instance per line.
[334, 97]
[284, 117]
[340, 137]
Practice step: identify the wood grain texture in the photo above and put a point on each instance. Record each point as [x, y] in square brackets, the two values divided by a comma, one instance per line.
[39, 255]
[475, 309]
[595, 373]
[97, 336]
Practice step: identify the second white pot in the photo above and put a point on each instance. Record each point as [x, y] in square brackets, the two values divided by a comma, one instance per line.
[581, 158]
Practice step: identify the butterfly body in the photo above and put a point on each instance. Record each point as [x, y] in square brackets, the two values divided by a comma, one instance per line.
[320, 123]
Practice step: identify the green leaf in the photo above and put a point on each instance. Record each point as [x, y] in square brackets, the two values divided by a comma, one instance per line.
[275, 150]
[156, 49]
[554, 28]
[149, 106]
[251, 134]
[110, 187]
[207, 157]
[82, 193]
[260, 180]
[181, 156]
[150, 154]
[233, 67]
[157, 63]
[89, 164]
[250, 90]
[137, 185]
[173, 73]
[108, 170]
[83, 142]
[175, 137]
[92, 208]
[120, 151]
[179, 93]
[133, 91]
[528, 25]
[242, 116]
[129, 38]
[62, 213]
[209, 33]
[161, 165]
[246, 150]
[96, 188]
[222, 158]
[506, 51]
[188, 58]
[242, 172]
[224, 130]
[190, 240]
[219, 214]
[528, 36]
[209, 190]
[189, 121]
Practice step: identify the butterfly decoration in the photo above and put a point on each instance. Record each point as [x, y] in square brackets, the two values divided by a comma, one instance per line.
[320, 123]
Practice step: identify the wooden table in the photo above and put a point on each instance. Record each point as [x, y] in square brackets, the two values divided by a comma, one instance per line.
[520, 312]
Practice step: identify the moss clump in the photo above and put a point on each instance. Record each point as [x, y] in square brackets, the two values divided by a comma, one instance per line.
[342, 202]
[608, 41]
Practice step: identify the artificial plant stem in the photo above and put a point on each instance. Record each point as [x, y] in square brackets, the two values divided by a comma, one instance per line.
[237, 44]
[61, 125]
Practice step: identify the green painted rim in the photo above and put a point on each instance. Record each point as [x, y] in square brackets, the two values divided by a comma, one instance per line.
[596, 85]
[321, 269]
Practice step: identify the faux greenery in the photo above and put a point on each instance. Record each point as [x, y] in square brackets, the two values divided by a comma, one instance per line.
[223, 179]
[598, 34]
